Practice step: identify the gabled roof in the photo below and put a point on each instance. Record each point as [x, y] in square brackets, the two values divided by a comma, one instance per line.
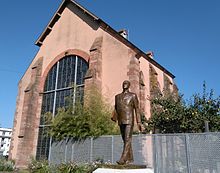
[104, 26]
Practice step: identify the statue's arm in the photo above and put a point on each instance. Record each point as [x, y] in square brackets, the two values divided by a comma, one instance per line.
[137, 109]
[137, 112]
[114, 113]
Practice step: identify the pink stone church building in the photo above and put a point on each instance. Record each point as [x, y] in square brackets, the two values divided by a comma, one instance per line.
[79, 48]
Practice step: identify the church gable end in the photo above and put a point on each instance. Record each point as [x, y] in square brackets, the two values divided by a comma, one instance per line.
[78, 48]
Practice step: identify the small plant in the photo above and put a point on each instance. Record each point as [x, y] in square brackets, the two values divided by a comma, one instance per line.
[76, 168]
[6, 165]
[41, 166]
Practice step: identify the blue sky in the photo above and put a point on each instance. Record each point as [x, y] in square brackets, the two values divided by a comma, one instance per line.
[184, 36]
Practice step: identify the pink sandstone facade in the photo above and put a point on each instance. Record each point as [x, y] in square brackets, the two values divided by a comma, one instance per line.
[111, 59]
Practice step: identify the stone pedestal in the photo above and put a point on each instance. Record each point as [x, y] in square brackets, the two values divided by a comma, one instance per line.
[108, 170]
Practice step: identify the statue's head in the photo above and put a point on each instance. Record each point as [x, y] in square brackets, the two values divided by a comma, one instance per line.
[126, 84]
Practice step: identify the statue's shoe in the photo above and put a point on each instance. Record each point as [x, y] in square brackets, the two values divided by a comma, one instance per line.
[121, 162]
[129, 162]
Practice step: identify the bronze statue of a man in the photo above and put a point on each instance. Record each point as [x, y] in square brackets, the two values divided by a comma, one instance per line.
[126, 103]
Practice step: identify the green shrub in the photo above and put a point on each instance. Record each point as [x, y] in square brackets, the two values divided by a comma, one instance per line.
[92, 119]
[6, 165]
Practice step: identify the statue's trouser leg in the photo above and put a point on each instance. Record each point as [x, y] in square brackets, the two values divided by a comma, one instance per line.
[126, 132]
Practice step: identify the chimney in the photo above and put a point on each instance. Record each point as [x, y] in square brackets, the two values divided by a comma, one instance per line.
[150, 54]
[123, 33]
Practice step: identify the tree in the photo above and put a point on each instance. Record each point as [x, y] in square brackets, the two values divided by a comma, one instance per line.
[206, 108]
[173, 115]
[167, 115]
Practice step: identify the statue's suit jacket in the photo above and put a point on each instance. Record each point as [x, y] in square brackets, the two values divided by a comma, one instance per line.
[125, 106]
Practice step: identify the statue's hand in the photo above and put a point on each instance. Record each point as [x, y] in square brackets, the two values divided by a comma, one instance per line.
[112, 118]
[140, 127]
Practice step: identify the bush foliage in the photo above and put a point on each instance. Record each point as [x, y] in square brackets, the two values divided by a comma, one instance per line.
[91, 119]
[71, 167]
[43, 166]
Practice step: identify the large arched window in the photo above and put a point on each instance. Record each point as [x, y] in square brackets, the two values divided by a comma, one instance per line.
[65, 79]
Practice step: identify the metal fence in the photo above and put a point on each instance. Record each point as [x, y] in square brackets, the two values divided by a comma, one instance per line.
[170, 153]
